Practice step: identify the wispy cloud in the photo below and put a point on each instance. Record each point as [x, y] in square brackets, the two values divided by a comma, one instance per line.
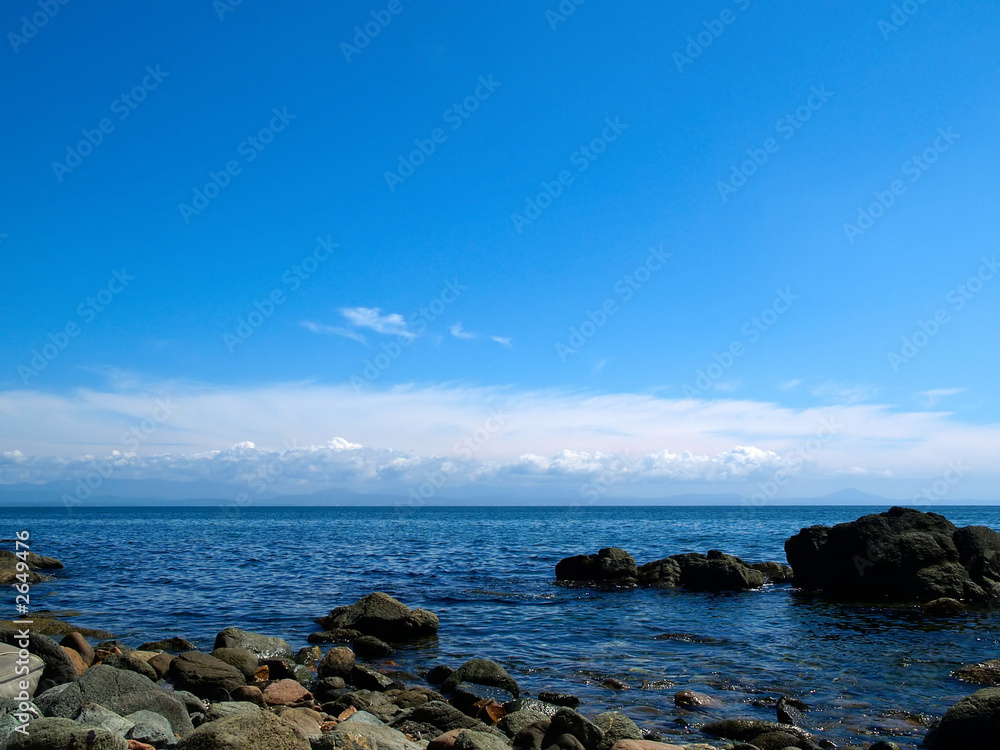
[929, 398]
[329, 330]
[503, 340]
[789, 385]
[392, 324]
[460, 333]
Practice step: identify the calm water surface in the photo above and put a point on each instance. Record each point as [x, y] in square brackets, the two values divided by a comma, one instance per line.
[150, 573]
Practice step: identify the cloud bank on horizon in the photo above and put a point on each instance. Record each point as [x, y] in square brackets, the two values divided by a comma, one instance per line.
[632, 251]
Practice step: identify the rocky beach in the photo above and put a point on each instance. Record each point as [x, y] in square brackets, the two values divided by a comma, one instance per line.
[368, 678]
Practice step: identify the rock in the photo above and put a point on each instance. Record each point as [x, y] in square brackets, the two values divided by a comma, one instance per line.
[610, 566]
[161, 664]
[151, 728]
[370, 647]
[482, 672]
[515, 721]
[380, 615]
[136, 745]
[966, 723]
[662, 574]
[356, 733]
[884, 745]
[35, 561]
[78, 663]
[375, 703]
[693, 699]
[790, 711]
[249, 693]
[616, 727]
[445, 741]
[716, 572]
[244, 660]
[747, 730]
[472, 740]
[286, 693]
[901, 555]
[644, 745]
[308, 656]
[79, 644]
[559, 699]
[337, 662]
[471, 697]
[131, 663]
[777, 740]
[440, 673]
[118, 690]
[412, 697]
[251, 731]
[204, 675]
[524, 704]
[336, 635]
[438, 716]
[943, 607]
[63, 734]
[307, 721]
[58, 667]
[366, 678]
[176, 645]
[94, 715]
[568, 721]
[261, 646]
[774, 572]
[226, 709]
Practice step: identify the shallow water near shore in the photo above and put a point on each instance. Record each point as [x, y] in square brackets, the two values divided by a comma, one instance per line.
[146, 574]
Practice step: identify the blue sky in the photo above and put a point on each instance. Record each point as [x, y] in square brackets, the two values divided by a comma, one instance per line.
[743, 210]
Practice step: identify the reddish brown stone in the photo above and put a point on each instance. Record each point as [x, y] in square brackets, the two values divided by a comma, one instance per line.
[286, 693]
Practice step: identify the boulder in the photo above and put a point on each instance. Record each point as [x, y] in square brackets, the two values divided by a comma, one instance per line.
[717, 572]
[470, 739]
[79, 644]
[789, 711]
[225, 709]
[694, 699]
[616, 727]
[78, 662]
[610, 566]
[12, 713]
[568, 721]
[967, 723]
[337, 635]
[747, 730]
[559, 699]
[58, 667]
[161, 664]
[774, 572]
[901, 555]
[307, 721]
[250, 731]
[434, 718]
[243, 660]
[151, 728]
[60, 734]
[482, 672]
[131, 663]
[375, 703]
[262, 646]
[360, 733]
[984, 673]
[661, 574]
[250, 693]
[515, 721]
[118, 690]
[286, 693]
[93, 715]
[204, 675]
[380, 615]
[645, 745]
[175, 645]
[370, 647]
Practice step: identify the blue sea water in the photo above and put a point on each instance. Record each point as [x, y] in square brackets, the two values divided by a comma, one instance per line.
[488, 572]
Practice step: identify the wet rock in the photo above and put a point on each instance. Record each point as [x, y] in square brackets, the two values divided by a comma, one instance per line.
[380, 615]
[61, 733]
[774, 572]
[470, 697]
[437, 717]
[366, 678]
[943, 607]
[884, 745]
[525, 704]
[131, 663]
[966, 723]
[747, 730]
[412, 697]
[610, 565]
[693, 699]
[661, 574]
[261, 646]
[58, 667]
[203, 674]
[559, 699]
[901, 555]
[245, 661]
[645, 745]
[174, 645]
[716, 572]
[515, 721]
[118, 690]
[309, 656]
[252, 731]
[777, 740]
[337, 635]
[286, 693]
[370, 647]
[337, 662]
[482, 672]
[616, 726]
[79, 644]
[440, 673]
[790, 711]
[568, 721]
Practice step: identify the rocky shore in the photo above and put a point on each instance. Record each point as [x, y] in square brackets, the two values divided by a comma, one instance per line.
[343, 692]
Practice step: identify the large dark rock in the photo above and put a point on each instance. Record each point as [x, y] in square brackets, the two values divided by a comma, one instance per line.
[901, 555]
[661, 574]
[435, 717]
[63, 734]
[58, 667]
[968, 724]
[380, 615]
[261, 646]
[610, 566]
[175, 644]
[204, 675]
[482, 672]
[248, 731]
[121, 691]
[717, 572]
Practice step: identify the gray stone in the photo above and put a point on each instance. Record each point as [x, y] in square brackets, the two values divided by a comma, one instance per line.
[515, 721]
[131, 663]
[473, 740]
[361, 734]
[11, 717]
[94, 715]
[716, 572]
[364, 677]
[204, 675]
[966, 723]
[262, 646]
[255, 731]
[244, 660]
[370, 647]
[151, 728]
[616, 726]
[58, 733]
[443, 717]
[120, 691]
[337, 662]
[174, 645]
[373, 703]
[58, 668]
[380, 615]
[230, 708]
[482, 672]
[568, 721]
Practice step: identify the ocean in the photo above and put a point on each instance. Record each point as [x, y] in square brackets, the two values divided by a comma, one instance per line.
[488, 573]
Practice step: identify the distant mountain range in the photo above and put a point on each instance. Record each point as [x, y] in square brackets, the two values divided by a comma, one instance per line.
[160, 492]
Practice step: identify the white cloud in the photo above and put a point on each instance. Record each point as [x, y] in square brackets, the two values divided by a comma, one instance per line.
[789, 385]
[460, 333]
[392, 324]
[333, 331]
[929, 398]
[502, 340]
